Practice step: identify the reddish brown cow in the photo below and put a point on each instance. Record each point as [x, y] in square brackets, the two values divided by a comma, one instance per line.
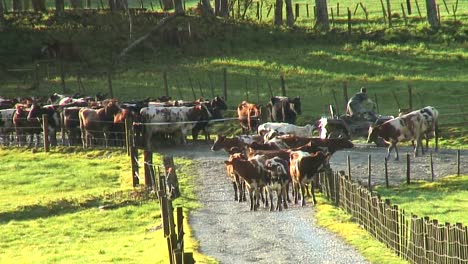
[237, 182]
[96, 123]
[24, 127]
[249, 116]
[71, 125]
[303, 168]
[253, 173]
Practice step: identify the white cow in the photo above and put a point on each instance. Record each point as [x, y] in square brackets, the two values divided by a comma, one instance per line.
[6, 125]
[285, 128]
[172, 120]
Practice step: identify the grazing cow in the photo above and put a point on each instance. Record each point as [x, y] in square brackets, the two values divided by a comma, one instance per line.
[278, 179]
[96, 123]
[249, 116]
[303, 168]
[409, 127]
[285, 128]
[222, 142]
[6, 125]
[172, 120]
[71, 125]
[284, 109]
[252, 171]
[35, 115]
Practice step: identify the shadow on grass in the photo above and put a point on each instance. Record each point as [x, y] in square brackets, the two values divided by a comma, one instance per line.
[66, 206]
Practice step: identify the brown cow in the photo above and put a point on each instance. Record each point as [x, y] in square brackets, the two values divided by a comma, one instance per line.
[249, 116]
[95, 123]
[303, 168]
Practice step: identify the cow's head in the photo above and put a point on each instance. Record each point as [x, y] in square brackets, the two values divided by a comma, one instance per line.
[218, 103]
[218, 143]
[296, 105]
[373, 133]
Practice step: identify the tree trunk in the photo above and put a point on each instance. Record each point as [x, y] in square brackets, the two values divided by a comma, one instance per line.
[38, 5]
[432, 13]
[59, 6]
[207, 9]
[2, 10]
[217, 7]
[17, 5]
[121, 5]
[321, 22]
[76, 4]
[279, 13]
[289, 13]
[167, 5]
[224, 8]
[179, 6]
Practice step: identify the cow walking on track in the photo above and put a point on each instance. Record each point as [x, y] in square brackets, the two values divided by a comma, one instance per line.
[413, 126]
[249, 116]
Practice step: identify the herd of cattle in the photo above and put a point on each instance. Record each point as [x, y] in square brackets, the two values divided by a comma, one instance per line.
[281, 154]
[268, 156]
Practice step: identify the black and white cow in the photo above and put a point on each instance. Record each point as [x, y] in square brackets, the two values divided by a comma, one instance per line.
[284, 109]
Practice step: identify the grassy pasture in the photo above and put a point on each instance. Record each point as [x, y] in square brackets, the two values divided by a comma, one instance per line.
[445, 200]
[50, 212]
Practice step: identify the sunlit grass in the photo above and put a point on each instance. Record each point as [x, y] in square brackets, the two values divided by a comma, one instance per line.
[445, 199]
[341, 223]
[50, 209]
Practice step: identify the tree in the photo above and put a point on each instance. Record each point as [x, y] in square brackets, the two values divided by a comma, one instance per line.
[289, 13]
[224, 8]
[279, 13]
[321, 22]
[432, 17]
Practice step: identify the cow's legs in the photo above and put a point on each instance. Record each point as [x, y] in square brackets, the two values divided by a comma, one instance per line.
[302, 187]
[312, 191]
[284, 194]
[234, 185]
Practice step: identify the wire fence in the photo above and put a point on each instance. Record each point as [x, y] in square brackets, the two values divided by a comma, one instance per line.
[413, 238]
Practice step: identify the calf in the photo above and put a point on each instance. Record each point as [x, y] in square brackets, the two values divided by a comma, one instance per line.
[71, 125]
[408, 127]
[278, 179]
[24, 127]
[303, 168]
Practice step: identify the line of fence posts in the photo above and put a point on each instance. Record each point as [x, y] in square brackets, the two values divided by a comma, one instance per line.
[166, 187]
[417, 239]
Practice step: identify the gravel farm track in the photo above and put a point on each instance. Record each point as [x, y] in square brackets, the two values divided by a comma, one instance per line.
[229, 232]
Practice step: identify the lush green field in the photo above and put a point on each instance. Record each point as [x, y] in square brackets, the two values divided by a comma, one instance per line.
[445, 200]
[50, 209]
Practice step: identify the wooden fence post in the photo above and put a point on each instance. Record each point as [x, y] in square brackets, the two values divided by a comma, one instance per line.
[408, 6]
[296, 10]
[389, 11]
[225, 84]
[432, 167]
[127, 135]
[166, 86]
[283, 86]
[348, 160]
[386, 172]
[345, 94]
[45, 125]
[148, 163]
[135, 169]
[410, 96]
[408, 173]
[404, 14]
[458, 162]
[369, 171]
[349, 20]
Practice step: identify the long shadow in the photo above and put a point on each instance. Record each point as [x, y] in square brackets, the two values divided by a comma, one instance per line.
[62, 207]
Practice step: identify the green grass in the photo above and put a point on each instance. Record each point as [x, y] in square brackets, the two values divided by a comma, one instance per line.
[445, 200]
[50, 209]
[341, 223]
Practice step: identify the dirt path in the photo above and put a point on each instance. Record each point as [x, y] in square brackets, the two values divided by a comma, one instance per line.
[229, 232]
